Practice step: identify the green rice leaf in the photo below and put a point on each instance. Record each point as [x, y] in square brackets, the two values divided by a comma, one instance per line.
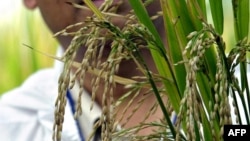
[97, 12]
[241, 18]
[217, 15]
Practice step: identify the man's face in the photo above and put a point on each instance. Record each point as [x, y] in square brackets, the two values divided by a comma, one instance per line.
[58, 14]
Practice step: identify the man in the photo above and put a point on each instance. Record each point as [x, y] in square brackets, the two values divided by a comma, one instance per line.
[27, 112]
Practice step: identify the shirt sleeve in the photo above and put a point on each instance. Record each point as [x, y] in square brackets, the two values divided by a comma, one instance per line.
[27, 112]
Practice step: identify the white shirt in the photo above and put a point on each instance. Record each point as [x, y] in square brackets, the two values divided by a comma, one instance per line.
[27, 112]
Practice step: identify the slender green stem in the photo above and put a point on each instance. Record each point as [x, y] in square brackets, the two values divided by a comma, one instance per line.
[156, 91]
[160, 101]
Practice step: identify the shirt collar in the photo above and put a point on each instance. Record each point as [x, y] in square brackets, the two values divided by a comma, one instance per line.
[89, 116]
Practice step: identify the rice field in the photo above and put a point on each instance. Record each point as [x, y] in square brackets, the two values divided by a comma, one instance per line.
[18, 61]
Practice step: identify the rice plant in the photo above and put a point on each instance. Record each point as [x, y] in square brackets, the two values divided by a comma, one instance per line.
[194, 72]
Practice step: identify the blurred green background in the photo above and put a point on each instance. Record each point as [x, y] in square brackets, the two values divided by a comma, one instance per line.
[20, 26]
